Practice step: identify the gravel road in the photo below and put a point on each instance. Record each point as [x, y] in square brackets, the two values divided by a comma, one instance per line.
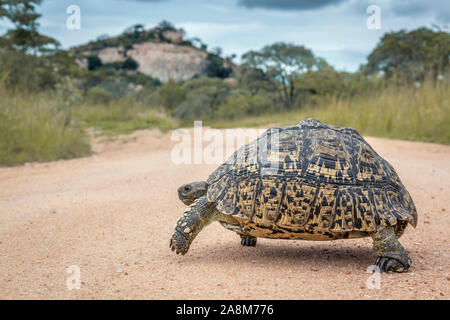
[111, 215]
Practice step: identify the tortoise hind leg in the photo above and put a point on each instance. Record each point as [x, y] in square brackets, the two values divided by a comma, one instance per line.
[248, 241]
[391, 254]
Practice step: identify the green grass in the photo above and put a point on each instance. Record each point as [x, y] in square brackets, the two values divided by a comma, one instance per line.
[122, 117]
[36, 128]
[421, 114]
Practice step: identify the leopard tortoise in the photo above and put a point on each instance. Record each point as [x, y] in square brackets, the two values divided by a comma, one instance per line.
[309, 181]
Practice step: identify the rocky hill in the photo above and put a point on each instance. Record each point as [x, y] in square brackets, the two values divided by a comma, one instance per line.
[161, 53]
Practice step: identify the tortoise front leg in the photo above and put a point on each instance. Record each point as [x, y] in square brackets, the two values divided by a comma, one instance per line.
[194, 219]
[391, 254]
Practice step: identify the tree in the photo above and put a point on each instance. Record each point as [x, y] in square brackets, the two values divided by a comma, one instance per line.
[279, 65]
[28, 59]
[166, 26]
[216, 67]
[325, 81]
[411, 55]
[94, 62]
[253, 80]
[130, 64]
[24, 37]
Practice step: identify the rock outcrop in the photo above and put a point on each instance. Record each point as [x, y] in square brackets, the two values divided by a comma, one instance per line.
[163, 60]
[166, 61]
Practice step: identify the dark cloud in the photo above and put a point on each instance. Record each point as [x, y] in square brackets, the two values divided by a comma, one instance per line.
[413, 8]
[288, 4]
[410, 8]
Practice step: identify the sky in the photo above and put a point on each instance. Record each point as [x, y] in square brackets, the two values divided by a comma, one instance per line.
[334, 29]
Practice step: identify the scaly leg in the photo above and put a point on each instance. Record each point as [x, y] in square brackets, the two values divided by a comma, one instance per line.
[195, 218]
[391, 254]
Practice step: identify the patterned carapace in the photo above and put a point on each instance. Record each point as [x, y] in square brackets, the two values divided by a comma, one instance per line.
[310, 181]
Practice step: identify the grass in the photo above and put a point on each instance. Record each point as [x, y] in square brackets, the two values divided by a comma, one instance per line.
[40, 127]
[36, 128]
[407, 113]
[122, 117]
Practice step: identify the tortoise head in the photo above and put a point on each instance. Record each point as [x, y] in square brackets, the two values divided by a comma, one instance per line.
[190, 192]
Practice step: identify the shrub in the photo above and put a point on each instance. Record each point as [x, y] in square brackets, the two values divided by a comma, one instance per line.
[97, 95]
[130, 64]
[203, 97]
[216, 68]
[195, 107]
[94, 62]
[170, 95]
[241, 104]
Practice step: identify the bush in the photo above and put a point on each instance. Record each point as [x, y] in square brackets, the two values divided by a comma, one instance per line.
[26, 72]
[241, 104]
[195, 107]
[170, 95]
[203, 97]
[94, 62]
[97, 95]
[130, 64]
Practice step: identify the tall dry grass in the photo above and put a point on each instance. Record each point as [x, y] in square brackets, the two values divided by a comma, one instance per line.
[36, 127]
[42, 127]
[401, 112]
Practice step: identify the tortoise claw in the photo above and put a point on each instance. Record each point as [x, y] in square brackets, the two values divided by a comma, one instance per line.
[179, 243]
[248, 241]
[380, 262]
[389, 264]
[386, 264]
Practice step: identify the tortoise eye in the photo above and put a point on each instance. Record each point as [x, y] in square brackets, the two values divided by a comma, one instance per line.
[187, 188]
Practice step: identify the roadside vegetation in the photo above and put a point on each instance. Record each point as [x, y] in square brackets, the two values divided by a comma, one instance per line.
[48, 101]
[36, 128]
[123, 116]
[400, 112]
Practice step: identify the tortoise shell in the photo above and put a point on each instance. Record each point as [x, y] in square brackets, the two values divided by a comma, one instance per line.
[311, 176]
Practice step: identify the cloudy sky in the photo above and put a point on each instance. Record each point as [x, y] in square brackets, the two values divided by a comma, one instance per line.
[334, 29]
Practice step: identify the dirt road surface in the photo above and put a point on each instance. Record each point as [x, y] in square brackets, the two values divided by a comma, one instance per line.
[112, 214]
